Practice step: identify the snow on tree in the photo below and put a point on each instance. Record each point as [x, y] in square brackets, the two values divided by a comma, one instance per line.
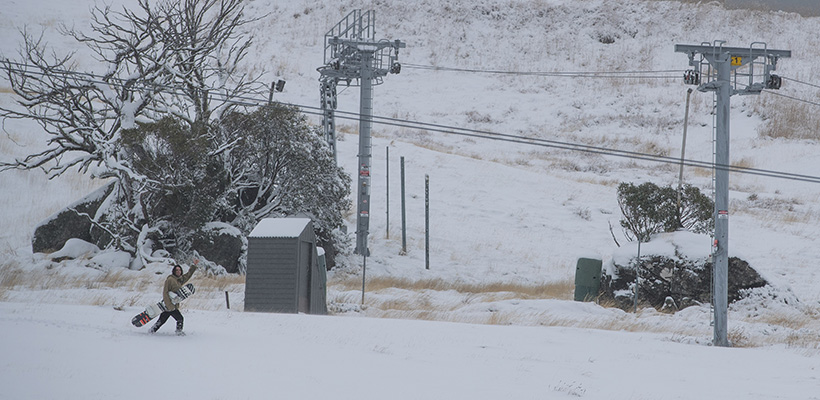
[152, 122]
[282, 165]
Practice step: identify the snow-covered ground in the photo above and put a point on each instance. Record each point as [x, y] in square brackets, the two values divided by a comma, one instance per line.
[55, 351]
[504, 218]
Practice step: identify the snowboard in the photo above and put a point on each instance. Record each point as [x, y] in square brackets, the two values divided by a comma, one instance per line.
[155, 309]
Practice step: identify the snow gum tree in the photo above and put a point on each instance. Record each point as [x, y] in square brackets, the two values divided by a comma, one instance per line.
[153, 122]
[189, 184]
[281, 166]
[649, 209]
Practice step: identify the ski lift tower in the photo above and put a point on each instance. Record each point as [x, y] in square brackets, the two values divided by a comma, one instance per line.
[727, 71]
[353, 55]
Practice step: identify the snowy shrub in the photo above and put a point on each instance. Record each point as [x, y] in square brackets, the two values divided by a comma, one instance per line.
[679, 282]
[649, 209]
[276, 164]
[186, 184]
[281, 165]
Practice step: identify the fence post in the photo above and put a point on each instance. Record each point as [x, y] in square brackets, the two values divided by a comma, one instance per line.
[403, 213]
[387, 185]
[427, 221]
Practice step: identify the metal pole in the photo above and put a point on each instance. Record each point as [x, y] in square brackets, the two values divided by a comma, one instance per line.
[403, 213]
[637, 277]
[721, 262]
[387, 185]
[365, 152]
[720, 59]
[427, 221]
[327, 90]
[683, 150]
[364, 271]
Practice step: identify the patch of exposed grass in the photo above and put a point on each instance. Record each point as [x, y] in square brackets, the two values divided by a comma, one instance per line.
[803, 340]
[745, 162]
[143, 287]
[221, 282]
[553, 290]
[788, 120]
[10, 276]
[738, 338]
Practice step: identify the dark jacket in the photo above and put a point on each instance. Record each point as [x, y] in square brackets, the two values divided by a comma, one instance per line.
[172, 284]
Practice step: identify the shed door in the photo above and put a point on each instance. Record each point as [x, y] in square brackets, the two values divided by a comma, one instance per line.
[304, 276]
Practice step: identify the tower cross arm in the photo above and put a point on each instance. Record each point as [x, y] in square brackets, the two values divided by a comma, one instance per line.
[368, 45]
[732, 51]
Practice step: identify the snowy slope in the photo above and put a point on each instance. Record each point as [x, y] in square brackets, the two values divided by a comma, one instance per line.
[502, 214]
[80, 352]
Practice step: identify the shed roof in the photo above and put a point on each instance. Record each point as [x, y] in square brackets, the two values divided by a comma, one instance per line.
[280, 227]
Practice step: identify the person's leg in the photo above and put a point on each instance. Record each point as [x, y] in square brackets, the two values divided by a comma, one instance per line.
[178, 317]
[162, 318]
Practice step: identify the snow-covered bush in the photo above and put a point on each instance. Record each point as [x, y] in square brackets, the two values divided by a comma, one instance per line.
[649, 209]
[281, 165]
[183, 184]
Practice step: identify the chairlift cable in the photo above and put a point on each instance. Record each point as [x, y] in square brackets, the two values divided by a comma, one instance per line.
[397, 122]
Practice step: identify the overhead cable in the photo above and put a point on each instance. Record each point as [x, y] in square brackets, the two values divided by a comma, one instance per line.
[576, 74]
[434, 127]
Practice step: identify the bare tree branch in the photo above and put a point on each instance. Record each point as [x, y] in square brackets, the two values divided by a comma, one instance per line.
[162, 58]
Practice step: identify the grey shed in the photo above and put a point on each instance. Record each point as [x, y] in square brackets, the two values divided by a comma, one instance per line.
[283, 272]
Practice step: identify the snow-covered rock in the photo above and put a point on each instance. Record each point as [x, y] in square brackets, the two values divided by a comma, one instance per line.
[75, 248]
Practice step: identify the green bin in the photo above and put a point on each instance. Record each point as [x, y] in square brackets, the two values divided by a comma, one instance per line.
[587, 279]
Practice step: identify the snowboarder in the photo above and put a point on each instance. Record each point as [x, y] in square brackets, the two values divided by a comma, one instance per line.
[172, 284]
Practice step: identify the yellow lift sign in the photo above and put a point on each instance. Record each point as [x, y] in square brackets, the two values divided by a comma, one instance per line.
[737, 61]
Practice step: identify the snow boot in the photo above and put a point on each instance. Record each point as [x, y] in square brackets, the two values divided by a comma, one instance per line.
[179, 329]
[155, 328]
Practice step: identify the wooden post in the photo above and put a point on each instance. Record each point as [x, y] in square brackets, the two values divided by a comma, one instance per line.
[683, 151]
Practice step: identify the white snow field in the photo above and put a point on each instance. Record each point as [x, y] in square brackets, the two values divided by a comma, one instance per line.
[55, 351]
[493, 317]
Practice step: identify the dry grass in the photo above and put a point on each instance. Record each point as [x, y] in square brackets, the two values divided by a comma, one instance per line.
[435, 145]
[738, 338]
[389, 297]
[803, 340]
[787, 321]
[352, 129]
[479, 303]
[554, 290]
[745, 162]
[608, 182]
[220, 283]
[92, 286]
[700, 172]
[12, 277]
[788, 120]
[774, 212]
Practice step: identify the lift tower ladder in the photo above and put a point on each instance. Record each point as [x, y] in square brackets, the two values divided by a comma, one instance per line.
[728, 71]
[353, 55]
